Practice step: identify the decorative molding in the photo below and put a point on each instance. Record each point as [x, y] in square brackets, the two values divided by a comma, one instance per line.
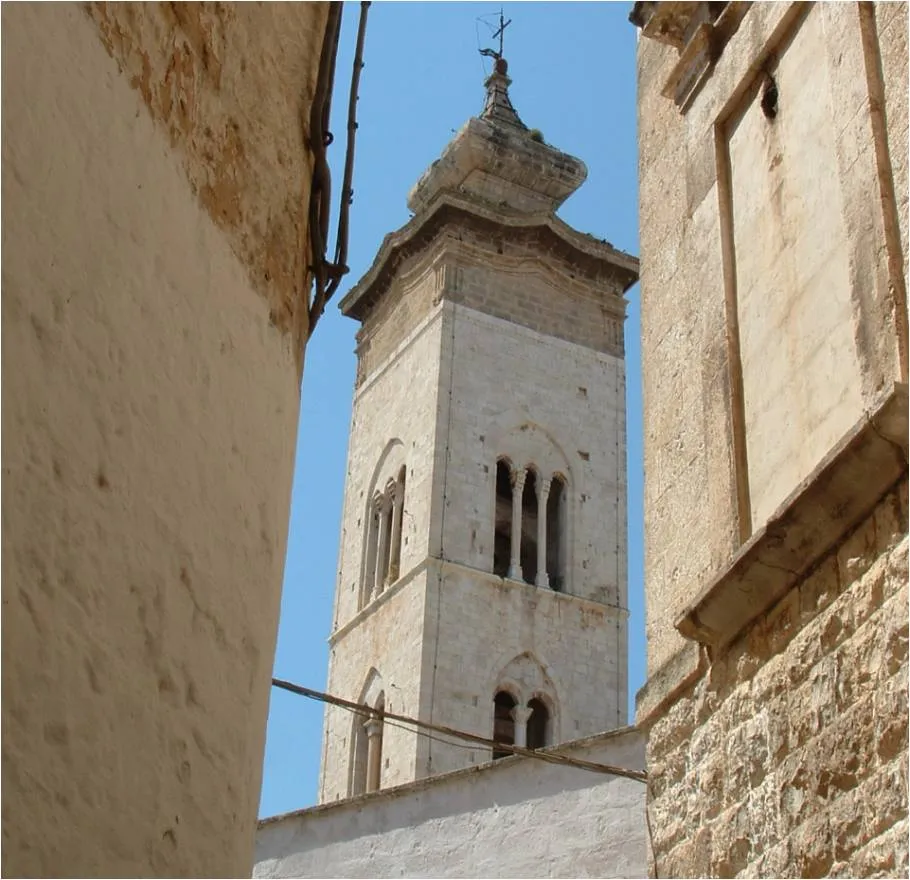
[842, 491]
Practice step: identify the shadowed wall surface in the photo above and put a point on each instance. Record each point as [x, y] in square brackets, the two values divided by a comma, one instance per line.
[152, 360]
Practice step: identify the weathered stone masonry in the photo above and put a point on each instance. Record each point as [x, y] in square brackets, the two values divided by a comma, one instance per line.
[773, 180]
[788, 755]
[491, 339]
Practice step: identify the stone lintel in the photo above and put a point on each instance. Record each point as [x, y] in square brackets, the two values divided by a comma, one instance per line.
[842, 490]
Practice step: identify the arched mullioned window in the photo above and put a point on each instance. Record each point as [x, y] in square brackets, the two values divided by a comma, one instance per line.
[524, 706]
[556, 514]
[366, 753]
[531, 524]
[382, 557]
[538, 730]
[502, 537]
[503, 723]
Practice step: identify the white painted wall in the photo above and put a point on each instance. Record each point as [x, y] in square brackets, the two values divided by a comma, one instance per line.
[518, 817]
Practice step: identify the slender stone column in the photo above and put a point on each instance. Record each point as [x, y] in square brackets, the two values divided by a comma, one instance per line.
[382, 549]
[518, 486]
[543, 492]
[395, 558]
[372, 539]
[520, 715]
[373, 727]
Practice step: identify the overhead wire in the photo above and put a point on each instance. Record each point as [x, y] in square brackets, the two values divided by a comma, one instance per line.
[327, 275]
[546, 756]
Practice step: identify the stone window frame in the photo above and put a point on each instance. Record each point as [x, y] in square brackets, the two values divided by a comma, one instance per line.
[383, 525]
[544, 576]
[525, 678]
[365, 769]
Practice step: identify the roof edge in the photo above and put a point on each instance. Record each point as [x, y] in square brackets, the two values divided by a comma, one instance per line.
[395, 241]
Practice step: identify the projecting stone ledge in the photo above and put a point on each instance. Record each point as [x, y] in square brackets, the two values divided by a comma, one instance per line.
[832, 500]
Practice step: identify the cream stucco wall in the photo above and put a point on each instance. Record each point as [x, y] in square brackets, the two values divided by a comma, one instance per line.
[515, 818]
[150, 409]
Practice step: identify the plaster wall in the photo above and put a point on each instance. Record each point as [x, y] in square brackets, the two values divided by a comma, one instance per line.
[515, 818]
[150, 405]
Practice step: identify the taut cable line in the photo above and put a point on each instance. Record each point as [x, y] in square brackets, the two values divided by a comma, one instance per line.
[548, 757]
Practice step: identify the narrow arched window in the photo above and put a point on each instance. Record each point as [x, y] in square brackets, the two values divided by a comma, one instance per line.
[502, 538]
[367, 770]
[503, 723]
[556, 533]
[538, 724]
[370, 585]
[529, 527]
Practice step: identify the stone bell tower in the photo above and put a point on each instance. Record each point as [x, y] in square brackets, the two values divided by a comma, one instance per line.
[482, 571]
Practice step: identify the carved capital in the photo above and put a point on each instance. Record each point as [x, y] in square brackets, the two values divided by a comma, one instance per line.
[519, 475]
[521, 714]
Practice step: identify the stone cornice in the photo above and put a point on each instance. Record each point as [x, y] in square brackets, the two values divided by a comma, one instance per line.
[587, 253]
[444, 565]
[842, 490]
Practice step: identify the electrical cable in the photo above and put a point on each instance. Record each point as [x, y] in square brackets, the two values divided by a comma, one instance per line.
[327, 276]
[547, 756]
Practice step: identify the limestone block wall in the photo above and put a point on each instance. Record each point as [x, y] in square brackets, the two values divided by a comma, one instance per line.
[386, 644]
[788, 756]
[716, 256]
[515, 818]
[384, 635]
[774, 348]
[540, 399]
[386, 420]
[150, 402]
[524, 277]
[476, 626]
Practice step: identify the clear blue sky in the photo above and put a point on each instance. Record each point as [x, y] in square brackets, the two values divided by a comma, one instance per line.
[573, 71]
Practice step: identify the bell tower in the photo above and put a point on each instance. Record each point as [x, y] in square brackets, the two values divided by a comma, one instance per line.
[482, 570]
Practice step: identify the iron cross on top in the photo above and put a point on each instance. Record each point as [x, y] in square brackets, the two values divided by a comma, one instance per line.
[500, 33]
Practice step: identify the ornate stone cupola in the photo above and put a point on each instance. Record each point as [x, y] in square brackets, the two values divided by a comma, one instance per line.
[495, 158]
[482, 573]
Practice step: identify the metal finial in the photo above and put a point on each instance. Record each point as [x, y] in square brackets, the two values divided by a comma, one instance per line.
[500, 34]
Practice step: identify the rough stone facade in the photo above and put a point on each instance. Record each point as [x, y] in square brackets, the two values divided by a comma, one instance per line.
[151, 368]
[489, 330]
[515, 818]
[788, 755]
[773, 180]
